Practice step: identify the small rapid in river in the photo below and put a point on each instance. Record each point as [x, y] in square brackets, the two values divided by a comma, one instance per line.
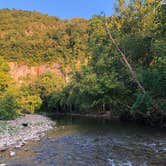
[88, 142]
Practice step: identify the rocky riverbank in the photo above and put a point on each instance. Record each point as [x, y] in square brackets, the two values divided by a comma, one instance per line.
[91, 142]
[16, 133]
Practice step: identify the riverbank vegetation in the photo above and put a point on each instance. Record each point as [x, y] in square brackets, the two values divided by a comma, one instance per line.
[99, 81]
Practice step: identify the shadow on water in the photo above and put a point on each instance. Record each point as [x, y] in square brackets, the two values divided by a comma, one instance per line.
[100, 125]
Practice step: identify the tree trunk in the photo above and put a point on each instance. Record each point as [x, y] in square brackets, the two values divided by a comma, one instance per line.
[124, 58]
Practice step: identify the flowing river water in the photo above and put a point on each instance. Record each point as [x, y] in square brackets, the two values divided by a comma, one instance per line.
[89, 142]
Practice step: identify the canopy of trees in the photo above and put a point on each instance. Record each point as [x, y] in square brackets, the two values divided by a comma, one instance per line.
[32, 37]
[106, 83]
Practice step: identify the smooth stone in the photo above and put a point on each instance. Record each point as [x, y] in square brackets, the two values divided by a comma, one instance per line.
[3, 164]
[12, 153]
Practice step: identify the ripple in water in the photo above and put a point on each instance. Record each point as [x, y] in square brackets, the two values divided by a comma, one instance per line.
[106, 145]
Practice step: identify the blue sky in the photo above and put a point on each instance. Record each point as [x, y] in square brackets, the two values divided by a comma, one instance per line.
[62, 8]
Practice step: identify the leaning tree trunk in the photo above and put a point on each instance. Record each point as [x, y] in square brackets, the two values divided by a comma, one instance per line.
[124, 58]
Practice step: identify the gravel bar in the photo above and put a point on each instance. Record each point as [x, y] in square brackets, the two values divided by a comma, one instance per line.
[16, 133]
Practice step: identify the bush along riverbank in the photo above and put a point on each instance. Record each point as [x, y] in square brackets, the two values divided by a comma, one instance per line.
[15, 133]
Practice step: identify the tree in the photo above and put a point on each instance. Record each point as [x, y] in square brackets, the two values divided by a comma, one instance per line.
[4, 76]
[8, 107]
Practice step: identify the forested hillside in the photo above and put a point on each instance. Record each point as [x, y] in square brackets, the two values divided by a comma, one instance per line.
[100, 79]
[32, 37]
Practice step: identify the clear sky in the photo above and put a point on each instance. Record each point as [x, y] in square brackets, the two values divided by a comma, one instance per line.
[62, 8]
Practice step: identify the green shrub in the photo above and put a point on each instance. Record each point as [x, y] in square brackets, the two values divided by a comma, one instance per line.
[8, 107]
[30, 103]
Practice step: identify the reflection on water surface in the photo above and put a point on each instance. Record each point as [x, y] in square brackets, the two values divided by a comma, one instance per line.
[88, 142]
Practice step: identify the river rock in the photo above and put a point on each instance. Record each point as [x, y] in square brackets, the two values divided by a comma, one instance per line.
[22, 129]
[12, 153]
[3, 164]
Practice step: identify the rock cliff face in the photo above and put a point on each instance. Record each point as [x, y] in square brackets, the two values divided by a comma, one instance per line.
[20, 72]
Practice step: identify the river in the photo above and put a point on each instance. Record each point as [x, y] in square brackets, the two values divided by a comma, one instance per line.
[89, 142]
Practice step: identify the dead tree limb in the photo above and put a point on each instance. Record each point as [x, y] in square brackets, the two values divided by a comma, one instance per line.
[124, 58]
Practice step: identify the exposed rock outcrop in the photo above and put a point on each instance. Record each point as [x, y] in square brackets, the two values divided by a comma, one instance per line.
[20, 72]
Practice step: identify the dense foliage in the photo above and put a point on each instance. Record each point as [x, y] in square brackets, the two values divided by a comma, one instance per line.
[100, 81]
[8, 103]
[32, 37]
[106, 84]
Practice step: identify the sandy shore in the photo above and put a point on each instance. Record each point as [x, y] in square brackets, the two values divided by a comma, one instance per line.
[16, 133]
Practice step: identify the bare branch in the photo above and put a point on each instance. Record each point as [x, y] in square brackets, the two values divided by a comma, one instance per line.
[124, 58]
